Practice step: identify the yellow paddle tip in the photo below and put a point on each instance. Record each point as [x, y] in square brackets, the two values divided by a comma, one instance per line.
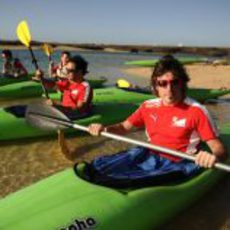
[122, 83]
[23, 33]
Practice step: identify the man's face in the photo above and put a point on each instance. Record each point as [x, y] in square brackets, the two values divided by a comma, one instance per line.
[64, 59]
[71, 71]
[4, 56]
[169, 89]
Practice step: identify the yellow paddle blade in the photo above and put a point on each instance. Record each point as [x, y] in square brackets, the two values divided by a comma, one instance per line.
[23, 33]
[122, 83]
[48, 49]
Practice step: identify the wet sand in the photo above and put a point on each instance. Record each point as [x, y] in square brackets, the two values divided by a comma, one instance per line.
[27, 161]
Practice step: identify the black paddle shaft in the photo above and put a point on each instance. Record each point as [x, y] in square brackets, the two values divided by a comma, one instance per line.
[34, 61]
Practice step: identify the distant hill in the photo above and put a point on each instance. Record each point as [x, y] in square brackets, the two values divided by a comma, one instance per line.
[209, 51]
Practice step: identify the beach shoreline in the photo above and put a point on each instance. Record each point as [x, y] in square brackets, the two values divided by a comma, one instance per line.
[201, 75]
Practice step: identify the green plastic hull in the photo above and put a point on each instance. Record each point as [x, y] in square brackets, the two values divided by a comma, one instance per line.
[113, 94]
[11, 80]
[19, 90]
[151, 63]
[64, 200]
[28, 89]
[16, 128]
[32, 89]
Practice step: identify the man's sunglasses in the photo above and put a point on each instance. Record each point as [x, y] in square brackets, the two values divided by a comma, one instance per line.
[71, 71]
[165, 83]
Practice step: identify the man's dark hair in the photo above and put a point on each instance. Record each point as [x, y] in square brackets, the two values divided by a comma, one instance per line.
[66, 53]
[81, 63]
[169, 64]
[7, 53]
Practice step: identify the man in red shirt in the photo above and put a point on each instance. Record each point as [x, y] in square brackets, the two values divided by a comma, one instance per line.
[76, 92]
[60, 69]
[172, 120]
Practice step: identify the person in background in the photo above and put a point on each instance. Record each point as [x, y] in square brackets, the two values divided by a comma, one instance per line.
[77, 94]
[60, 69]
[19, 69]
[12, 67]
[171, 120]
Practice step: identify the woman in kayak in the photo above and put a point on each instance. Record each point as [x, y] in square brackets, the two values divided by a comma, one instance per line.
[76, 92]
[12, 67]
[60, 69]
[173, 121]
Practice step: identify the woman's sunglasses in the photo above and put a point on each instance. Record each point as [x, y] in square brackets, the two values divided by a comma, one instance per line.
[165, 83]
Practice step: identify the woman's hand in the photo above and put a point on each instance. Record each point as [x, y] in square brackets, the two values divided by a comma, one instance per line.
[95, 129]
[205, 159]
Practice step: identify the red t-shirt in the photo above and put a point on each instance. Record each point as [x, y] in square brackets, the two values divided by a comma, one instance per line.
[74, 93]
[19, 67]
[179, 127]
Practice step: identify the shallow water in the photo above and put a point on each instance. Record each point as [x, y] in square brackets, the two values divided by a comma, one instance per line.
[24, 162]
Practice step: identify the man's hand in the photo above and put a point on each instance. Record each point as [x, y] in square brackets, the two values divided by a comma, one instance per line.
[205, 159]
[95, 129]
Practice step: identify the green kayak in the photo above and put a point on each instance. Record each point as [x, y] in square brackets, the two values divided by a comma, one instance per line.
[151, 63]
[10, 80]
[113, 94]
[28, 89]
[66, 201]
[14, 126]
[32, 89]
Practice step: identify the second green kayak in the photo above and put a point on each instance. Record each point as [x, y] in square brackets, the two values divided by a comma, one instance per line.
[29, 89]
[14, 126]
[114, 94]
[151, 63]
[10, 80]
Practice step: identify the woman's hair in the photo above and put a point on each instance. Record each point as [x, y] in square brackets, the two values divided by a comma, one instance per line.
[169, 64]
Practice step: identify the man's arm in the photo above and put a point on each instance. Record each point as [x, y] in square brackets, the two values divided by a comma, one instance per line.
[217, 148]
[218, 153]
[120, 128]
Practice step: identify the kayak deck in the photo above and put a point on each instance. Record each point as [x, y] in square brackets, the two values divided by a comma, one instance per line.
[14, 119]
[129, 95]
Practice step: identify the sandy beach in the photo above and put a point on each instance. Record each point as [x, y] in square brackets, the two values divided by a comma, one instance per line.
[201, 75]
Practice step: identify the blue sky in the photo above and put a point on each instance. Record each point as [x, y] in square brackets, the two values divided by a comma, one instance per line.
[150, 22]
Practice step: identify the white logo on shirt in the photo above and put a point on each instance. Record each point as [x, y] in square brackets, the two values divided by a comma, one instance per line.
[154, 117]
[75, 92]
[178, 122]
